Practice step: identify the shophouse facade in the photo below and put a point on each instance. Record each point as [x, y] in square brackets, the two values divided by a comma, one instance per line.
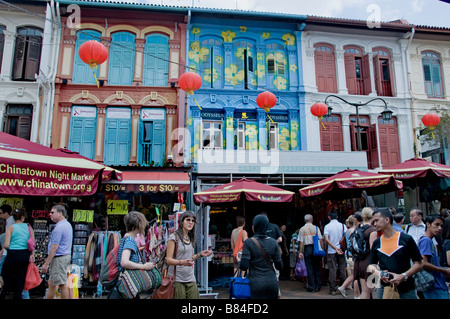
[28, 36]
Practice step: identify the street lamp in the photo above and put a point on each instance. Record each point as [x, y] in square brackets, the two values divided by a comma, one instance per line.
[386, 114]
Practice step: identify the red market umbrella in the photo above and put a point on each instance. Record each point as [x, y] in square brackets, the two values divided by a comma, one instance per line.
[416, 168]
[28, 168]
[350, 183]
[252, 190]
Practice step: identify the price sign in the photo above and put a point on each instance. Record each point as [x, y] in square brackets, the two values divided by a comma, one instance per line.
[81, 215]
[117, 207]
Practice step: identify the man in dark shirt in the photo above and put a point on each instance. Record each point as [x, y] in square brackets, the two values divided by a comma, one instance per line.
[393, 252]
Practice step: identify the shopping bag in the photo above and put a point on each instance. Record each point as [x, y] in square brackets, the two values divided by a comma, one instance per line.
[239, 286]
[391, 292]
[318, 250]
[33, 278]
[132, 282]
[300, 268]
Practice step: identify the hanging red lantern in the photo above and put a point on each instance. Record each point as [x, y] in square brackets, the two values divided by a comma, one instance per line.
[93, 53]
[266, 100]
[319, 109]
[190, 82]
[431, 120]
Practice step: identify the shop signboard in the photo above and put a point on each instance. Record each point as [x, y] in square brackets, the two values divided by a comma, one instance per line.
[117, 207]
[82, 215]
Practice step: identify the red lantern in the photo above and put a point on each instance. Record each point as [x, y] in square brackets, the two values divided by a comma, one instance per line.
[431, 120]
[93, 53]
[319, 109]
[190, 82]
[266, 100]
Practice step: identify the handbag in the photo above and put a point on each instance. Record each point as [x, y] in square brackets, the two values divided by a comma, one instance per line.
[239, 286]
[391, 292]
[167, 288]
[343, 241]
[300, 268]
[423, 280]
[318, 250]
[33, 277]
[31, 243]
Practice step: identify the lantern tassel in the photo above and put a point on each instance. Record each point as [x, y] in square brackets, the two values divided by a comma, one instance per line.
[432, 134]
[93, 68]
[323, 125]
[270, 118]
[196, 103]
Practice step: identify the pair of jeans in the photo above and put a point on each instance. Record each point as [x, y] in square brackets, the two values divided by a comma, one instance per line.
[313, 266]
[336, 263]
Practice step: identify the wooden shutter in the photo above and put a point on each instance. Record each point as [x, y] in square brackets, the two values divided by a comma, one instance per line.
[350, 73]
[319, 61]
[378, 75]
[82, 136]
[365, 69]
[110, 151]
[330, 73]
[389, 145]
[19, 57]
[372, 152]
[158, 142]
[24, 127]
[436, 78]
[33, 57]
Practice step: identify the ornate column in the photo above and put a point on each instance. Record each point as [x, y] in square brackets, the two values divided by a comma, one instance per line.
[63, 126]
[135, 114]
[139, 61]
[229, 129]
[100, 134]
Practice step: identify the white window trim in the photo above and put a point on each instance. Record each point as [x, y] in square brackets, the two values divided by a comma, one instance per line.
[212, 131]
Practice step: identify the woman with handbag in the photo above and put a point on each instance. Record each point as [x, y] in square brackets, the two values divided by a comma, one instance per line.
[129, 256]
[259, 255]
[183, 261]
[19, 255]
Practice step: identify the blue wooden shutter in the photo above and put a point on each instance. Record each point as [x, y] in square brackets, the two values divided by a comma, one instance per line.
[82, 72]
[117, 141]
[156, 65]
[121, 59]
[82, 135]
[158, 142]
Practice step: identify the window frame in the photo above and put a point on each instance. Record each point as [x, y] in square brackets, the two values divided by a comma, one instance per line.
[431, 86]
[212, 130]
[160, 47]
[31, 38]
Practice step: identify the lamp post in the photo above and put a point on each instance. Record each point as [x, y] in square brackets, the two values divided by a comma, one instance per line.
[386, 114]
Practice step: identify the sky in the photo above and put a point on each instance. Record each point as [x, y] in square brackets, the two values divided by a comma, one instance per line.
[419, 12]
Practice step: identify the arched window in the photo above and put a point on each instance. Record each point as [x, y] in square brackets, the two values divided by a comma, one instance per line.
[212, 63]
[156, 60]
[431, 64]
[325, 65]
[27, 54]
[357, 71]
[382, 65]
[277, 68]
[82, 72]
[121, 58]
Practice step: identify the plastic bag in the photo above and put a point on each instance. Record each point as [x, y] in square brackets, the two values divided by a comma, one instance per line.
[300, 268]
[33, 278]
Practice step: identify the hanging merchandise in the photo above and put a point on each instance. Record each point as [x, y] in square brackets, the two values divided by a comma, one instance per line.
[156, 241]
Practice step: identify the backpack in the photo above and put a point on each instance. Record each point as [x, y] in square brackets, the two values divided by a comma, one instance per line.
[359, 246]
[109, 273]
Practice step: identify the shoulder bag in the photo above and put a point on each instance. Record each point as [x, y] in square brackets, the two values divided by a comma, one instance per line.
[318, 250]
[167, 287]
[263, 252]
[423, 279]
[343, 241]
[31, 243]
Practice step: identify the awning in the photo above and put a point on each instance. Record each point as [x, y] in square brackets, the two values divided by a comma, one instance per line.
[149, 182]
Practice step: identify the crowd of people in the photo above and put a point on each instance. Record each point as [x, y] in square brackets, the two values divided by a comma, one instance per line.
[368, 252]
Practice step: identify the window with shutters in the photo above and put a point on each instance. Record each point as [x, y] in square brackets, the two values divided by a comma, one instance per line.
[331, 135]
[431, 64]
[152, 132]
[382, 66]
[273, 136]
[277, 72]
[241, 136]
[156, 60]
[83, 129]
[357, 71]
[17, 120]
[117, 136]
[325, 67]
[212, 63]
[27, 54]
[82, 72]
[2, 44]
[389, 145]
[121, 58]
[368, 139]
[245, 58]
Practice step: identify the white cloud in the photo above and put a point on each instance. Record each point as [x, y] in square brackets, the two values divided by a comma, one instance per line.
[417, 5]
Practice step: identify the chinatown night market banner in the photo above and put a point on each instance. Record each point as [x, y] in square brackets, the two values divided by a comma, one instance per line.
[27, 168]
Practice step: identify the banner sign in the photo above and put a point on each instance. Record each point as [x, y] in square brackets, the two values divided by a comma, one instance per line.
[117, 207]
[82, 215]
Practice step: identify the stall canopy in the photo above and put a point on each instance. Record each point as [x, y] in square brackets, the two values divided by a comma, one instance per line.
[350, 183]
[147, 182]
[28, 168]
[252, 190]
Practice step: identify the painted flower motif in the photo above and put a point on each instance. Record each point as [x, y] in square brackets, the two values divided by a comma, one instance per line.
[293, 68]
[195, 31]
[228, 36]
[240, 53]
[289, 39]
[260, 56]
[189, 120]
[218, 60]
[254, 82]
[233, 75]
[195, 45]
[295, 126]
[199, 54]
[284, 138]
[261, 70]
[229, 124]
[251, 131]
[243, 29]
[280, 83]
[266, 35]
[207, 75]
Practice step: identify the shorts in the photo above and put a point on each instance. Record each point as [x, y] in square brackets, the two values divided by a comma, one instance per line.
[58, 270]
[293, 259]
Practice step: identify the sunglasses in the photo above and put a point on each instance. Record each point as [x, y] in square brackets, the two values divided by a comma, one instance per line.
[190, 220]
